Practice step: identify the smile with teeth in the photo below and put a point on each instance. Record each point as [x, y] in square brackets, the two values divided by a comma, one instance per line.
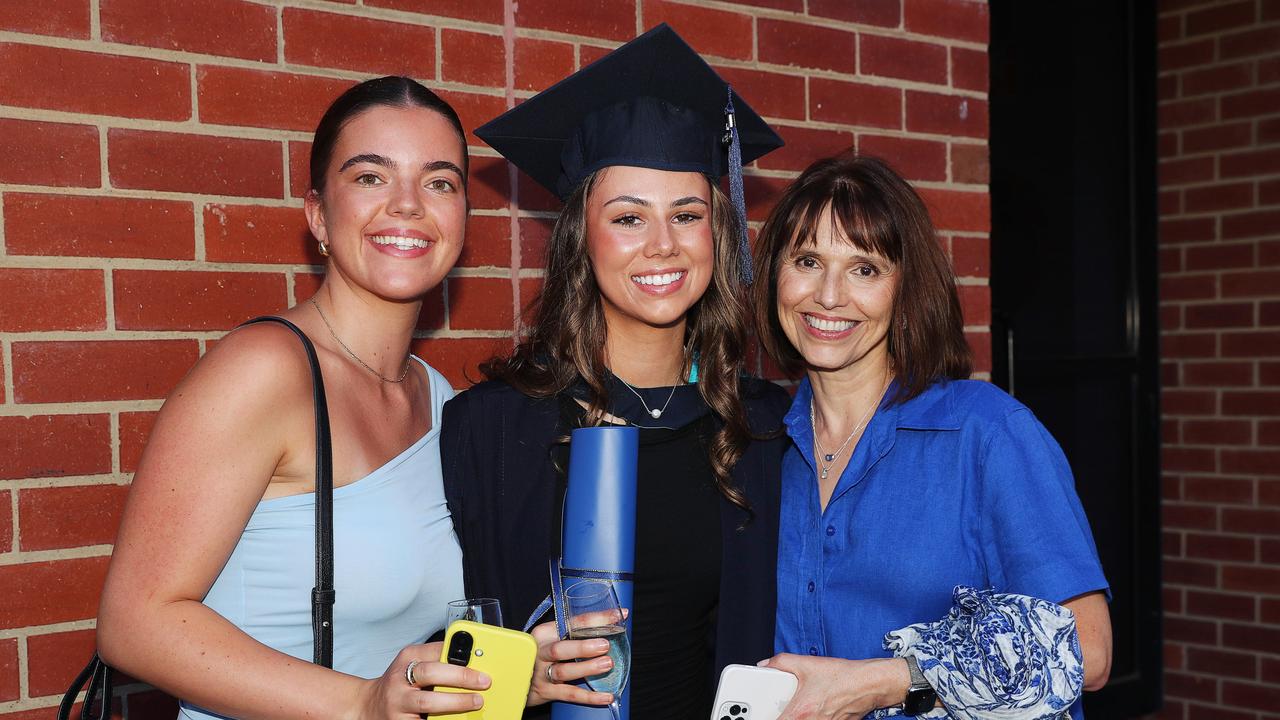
[657, 280]
[828, 325]
[400, 243]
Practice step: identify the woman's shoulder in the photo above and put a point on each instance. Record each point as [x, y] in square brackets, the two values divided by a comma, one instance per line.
[977, 398]
[265, 360]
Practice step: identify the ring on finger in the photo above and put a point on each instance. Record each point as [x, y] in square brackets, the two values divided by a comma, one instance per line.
[408, 673]
[550, 667]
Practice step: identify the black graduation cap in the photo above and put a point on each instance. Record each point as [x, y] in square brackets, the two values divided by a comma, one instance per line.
[652, 103]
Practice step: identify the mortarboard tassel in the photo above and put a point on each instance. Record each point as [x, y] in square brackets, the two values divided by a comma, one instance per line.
[736, 195]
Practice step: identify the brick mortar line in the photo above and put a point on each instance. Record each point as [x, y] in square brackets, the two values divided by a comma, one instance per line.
[24, 687]
[16, 484]
[104, 162]
[7, 352]
[95, 20]
[50, 629]
[279, 35]
[1197, 302]
[13, 516]
[1186, 10]
[407, 17]
[113, 430]
[1219, 182]
[83, 407]
[1217, 123]
[1219, 95]
[1254, 85]
[33, 556]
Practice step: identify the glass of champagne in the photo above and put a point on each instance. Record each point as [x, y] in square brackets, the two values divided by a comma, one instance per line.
[594, 613]
[481, 610]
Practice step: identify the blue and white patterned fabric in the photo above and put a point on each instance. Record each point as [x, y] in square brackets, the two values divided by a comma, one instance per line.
[996, 656]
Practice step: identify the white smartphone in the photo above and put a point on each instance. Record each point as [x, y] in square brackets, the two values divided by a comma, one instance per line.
[747, 692]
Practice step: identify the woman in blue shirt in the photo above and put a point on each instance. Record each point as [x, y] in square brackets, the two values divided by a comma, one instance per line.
[904, 479]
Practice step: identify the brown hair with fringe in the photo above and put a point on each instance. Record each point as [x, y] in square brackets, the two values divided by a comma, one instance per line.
[566, 339]
[877, 211]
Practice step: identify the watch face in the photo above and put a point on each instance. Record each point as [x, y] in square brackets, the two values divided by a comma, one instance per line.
[919, 701]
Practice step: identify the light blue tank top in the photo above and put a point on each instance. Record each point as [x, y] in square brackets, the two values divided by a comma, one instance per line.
[396, 563]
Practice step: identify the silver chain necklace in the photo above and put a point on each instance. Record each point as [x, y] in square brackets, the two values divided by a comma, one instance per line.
[830, 458]
[653, 412]
[403, 374]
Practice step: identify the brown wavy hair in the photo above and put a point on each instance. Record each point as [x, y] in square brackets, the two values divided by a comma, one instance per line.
[566, 338]
[878, 211]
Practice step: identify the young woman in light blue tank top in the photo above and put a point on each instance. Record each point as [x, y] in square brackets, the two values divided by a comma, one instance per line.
[209, 593]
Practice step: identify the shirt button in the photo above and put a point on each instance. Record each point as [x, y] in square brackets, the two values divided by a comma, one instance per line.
[831, 530]
[813, 651]
[811, 586]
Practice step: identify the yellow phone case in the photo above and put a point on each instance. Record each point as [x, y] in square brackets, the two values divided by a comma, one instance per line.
[506, 656]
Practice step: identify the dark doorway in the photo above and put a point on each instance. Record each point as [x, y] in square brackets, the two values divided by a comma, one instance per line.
[1073, 280]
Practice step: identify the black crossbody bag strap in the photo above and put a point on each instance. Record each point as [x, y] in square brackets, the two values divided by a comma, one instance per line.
[96, 678]
[322, 595]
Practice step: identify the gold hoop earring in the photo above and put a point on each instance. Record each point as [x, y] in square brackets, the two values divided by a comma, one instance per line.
[324, 248]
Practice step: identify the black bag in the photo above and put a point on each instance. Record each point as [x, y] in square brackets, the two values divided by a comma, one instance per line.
[95, 679]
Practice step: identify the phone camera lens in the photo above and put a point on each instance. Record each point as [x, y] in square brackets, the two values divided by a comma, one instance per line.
[735, 710]
[460, 648]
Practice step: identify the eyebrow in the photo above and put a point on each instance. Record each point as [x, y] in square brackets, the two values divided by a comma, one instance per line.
[388, 163]
[687, 200]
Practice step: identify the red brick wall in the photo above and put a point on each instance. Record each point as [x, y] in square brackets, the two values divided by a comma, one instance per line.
[1219, 90]
[152, 161]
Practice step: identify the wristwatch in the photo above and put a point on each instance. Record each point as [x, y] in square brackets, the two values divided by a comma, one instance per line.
[920, 696]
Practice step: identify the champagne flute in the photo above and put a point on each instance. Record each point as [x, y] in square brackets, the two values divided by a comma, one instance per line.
[594, 613]
[481, 610]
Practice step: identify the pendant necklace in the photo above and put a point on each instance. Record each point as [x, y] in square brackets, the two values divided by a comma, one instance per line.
[654, 413]
[828, 459]
[404, 373]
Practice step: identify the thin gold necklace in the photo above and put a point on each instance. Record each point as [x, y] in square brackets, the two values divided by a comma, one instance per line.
[830, 458]
[403, 373]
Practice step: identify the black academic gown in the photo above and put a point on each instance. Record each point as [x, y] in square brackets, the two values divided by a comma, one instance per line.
[498, 450]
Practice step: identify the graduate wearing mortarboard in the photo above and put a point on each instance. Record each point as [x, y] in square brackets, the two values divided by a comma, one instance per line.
[642, 321]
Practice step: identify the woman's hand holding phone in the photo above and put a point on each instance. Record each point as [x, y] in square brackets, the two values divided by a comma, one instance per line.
[392, 695]
[552, 670]
[835, 688]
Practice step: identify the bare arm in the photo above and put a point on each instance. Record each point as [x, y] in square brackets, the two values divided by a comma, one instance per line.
[1093, 626]
[241, 418]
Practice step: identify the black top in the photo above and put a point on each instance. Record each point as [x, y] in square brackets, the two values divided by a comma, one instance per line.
[704, 591]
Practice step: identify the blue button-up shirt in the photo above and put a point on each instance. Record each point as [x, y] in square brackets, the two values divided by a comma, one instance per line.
[959, 485]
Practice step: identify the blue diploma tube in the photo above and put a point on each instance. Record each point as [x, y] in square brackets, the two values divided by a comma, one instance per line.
[600, 524]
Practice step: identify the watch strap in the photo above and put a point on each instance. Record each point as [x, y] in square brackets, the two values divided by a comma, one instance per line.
[921, 696]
